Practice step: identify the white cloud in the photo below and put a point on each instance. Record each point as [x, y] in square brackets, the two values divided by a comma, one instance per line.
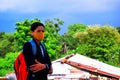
[61, 6]
[19, 5]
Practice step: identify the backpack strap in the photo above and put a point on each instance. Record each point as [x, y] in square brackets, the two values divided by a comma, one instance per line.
[33, 47]
[42, 47]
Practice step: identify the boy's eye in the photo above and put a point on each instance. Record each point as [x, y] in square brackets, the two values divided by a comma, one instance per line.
[40, 31]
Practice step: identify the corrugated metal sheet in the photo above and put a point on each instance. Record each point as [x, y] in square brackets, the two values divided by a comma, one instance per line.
[63, 70]
[93, 65]
[78, 67]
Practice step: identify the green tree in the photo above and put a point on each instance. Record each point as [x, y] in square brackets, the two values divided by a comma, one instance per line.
[22, 33]
[102, 43]
[52, 27]
[7, 43]
[6, 64]
[118, 28]
[68, 41]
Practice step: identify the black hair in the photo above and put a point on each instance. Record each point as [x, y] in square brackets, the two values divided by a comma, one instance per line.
[35, 25]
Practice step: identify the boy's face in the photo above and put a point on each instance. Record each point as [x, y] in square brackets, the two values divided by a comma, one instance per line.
[38, 33]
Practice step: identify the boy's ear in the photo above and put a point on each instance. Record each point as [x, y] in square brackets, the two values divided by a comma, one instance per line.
[31, 32]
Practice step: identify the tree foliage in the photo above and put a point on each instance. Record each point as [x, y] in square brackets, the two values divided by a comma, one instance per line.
[52, 37]
[68, 40]
[102, 43]
[118, 28]
[22, 33]
[6, 64]
[7, 43]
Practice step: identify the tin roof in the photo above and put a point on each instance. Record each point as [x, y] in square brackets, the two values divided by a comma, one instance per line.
[93, 65]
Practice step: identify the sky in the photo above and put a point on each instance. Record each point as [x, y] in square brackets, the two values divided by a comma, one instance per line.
[88, 12]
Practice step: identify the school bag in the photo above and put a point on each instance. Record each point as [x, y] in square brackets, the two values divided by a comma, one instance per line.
[20, 65]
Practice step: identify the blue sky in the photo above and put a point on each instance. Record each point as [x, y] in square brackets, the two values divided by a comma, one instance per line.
[87, 12]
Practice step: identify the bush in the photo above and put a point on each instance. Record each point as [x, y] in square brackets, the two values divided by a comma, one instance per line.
[6, 64]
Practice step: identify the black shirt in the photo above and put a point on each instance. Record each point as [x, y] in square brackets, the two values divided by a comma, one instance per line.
[30, 60]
